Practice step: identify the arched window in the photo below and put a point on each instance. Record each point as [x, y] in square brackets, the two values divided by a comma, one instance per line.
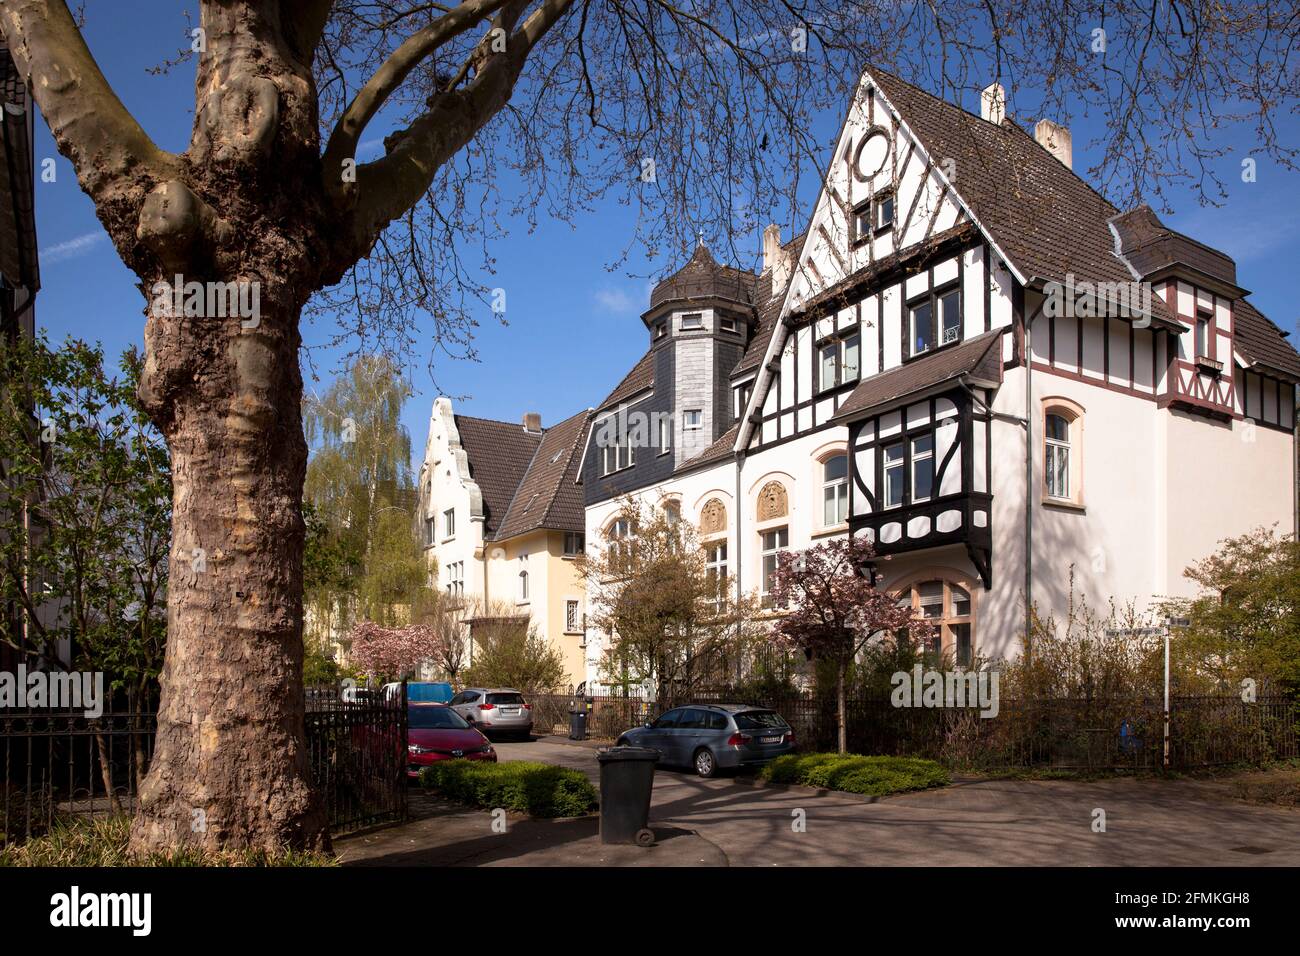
[947, 606]
[835, 490]
[523, 578]
[1057, 456]
[1062, 452]
[616, 536]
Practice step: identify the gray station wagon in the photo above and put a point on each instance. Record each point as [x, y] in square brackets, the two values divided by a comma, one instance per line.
[712, 736]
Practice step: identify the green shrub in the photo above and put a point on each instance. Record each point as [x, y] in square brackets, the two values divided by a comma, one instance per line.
[534, 788]
[103, 842]
[854, 773]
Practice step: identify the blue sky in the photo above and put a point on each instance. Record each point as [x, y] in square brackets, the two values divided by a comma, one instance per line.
[573, 329]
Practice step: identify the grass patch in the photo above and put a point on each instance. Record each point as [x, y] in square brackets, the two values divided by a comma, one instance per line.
[534, 788]
[854, 773]
[103, 842]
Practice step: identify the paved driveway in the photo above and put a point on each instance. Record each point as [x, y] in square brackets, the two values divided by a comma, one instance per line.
[985, 823]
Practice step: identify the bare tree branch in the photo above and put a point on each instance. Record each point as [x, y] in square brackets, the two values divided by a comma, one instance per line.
[115, 160]
[372, 96]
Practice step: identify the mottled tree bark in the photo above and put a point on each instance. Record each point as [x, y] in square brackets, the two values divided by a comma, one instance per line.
[252, 200]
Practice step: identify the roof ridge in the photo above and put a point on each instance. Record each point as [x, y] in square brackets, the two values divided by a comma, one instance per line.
[497, 421]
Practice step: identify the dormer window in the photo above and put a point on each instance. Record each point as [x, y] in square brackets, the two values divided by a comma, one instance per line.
[693, 322]
[1203, 326]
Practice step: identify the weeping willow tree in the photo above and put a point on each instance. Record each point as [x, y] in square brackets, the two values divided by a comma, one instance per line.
[364, 561]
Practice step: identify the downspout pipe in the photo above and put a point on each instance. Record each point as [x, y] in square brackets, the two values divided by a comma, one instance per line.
[1029, 484]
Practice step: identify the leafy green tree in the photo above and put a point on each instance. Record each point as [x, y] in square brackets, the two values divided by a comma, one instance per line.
[85, 511]
[671, 622]
[85, 515]
[363, 560]
[1245, 623]
[508, 652]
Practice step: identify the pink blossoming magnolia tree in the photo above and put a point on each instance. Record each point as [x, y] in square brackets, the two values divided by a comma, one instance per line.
[393, 651]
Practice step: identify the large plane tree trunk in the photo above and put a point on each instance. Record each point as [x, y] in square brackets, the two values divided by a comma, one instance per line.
[254, 200]
[230, 766]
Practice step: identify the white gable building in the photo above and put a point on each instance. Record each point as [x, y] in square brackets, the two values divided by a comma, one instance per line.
[873, 380]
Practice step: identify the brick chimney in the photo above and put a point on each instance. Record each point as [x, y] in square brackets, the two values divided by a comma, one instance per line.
[993, 103]
[533, 423]
[1056, 140]
[775, 258]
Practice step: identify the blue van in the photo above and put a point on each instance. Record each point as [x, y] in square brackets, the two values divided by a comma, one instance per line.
[428, 692]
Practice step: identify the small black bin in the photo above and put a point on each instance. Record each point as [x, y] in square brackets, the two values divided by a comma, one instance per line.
[627, 778]
[577, 725]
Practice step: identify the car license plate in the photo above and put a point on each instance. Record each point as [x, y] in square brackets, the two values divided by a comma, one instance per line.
[510, 711]
[771, 740]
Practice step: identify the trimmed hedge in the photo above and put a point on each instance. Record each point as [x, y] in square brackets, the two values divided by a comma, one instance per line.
[854, 773]
[534, 788]
[102, 841]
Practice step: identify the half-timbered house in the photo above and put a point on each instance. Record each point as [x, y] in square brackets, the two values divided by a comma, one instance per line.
[971, 358]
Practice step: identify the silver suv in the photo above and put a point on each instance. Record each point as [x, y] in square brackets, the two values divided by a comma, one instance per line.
[495, 711]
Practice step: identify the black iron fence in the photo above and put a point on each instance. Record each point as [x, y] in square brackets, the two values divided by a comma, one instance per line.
[59, 764]
[356, 741]
[1066, 734]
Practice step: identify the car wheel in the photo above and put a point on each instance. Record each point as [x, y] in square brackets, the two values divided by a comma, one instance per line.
[705, 764]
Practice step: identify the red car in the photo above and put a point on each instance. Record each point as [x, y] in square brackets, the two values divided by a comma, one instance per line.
[436, 732]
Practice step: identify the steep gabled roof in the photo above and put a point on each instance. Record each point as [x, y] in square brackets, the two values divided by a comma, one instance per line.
[639, 379]
[718, 451]
[979, 358]
[548, 497]
[1261, 342]
[1046, 219]
[499, 454]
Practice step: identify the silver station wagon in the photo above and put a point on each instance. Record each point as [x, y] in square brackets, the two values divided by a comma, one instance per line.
[710, 737]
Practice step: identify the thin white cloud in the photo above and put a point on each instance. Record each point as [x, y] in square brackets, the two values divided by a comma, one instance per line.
[614, 300]
[72, 248]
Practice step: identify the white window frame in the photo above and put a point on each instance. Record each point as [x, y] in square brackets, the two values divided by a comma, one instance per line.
[693, 322]
[901, 466]
[699, 419]
[840, 487]
[573, 623]
[925, 456]
[770, 553]
[524, 596]
[1053, 450]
